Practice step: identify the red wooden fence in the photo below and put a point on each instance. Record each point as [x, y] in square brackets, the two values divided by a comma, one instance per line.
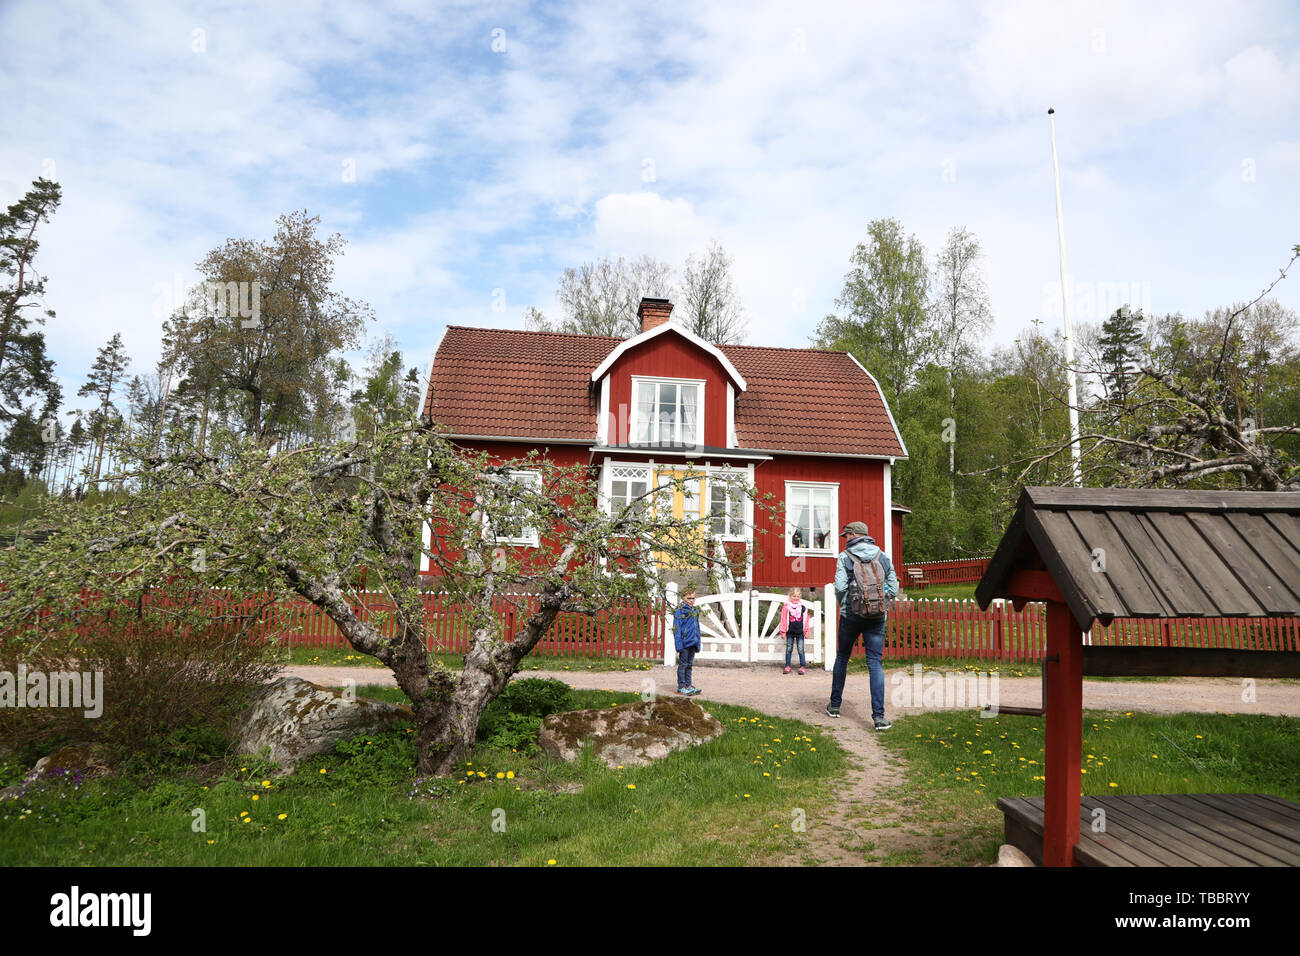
[623, 631]
[955, 628]
[917, 628]
[946, 572]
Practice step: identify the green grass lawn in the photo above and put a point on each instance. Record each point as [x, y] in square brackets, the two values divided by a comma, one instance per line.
[945, 592]
[960, 763]
[729, 802]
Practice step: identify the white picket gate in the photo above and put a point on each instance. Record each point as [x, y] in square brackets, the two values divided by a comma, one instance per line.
[744, 626]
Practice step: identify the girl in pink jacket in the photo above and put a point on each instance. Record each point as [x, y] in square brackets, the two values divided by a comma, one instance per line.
[794, 618]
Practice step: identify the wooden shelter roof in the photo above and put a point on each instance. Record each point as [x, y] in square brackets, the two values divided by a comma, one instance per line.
[1123, 553]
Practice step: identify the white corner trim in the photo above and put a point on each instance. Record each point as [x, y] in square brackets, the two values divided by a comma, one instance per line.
[883, 401]
[602, 425]
[636, 340]
[731, 416]
[889, 512]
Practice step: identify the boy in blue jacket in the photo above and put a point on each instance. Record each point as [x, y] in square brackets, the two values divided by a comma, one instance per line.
[686, 637]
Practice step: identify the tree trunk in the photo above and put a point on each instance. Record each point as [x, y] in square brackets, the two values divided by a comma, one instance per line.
[447, 740]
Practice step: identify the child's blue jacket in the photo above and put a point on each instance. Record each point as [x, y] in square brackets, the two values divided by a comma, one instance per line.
[686, 627]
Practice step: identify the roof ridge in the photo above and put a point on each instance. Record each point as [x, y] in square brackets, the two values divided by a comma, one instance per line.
[571, 335]
[784, 348]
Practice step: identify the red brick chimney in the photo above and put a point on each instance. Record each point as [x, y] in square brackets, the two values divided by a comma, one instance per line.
[653, 313]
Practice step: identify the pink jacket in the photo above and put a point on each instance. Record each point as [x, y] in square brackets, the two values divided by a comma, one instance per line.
[786, 608]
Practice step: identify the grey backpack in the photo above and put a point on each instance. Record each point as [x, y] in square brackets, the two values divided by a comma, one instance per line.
[867, 599]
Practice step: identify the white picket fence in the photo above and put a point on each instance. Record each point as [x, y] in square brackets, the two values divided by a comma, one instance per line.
[744, 626]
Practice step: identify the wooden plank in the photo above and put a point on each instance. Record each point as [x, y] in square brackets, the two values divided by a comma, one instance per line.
[1279, 824]
[1130, 661]
[1068, 557]
[1191, 825]
[1263, 586]
[1221, 827]
[1158, 825]
[1109, 499]
[1166, 573]
[1201, 562]
[1264, 814]
[1274, 550]
[1286, 525]
[1130, 593]
[1091, 851]
[1281, 802]
[1135, 836]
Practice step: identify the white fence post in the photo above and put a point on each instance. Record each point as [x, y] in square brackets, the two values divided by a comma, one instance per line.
[749, 625]
[830, 623]
[670, 648]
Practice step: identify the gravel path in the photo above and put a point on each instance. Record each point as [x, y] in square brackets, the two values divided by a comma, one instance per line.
[866, 821]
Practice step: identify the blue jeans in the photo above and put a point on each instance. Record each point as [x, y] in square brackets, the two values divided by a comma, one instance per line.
[789, 647]
[873, 639]
[685, 659]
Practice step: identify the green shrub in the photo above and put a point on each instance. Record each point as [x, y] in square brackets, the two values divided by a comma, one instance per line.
[511, 721]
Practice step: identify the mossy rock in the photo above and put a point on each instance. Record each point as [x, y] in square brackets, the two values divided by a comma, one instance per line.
[632, 735]
[293, 719]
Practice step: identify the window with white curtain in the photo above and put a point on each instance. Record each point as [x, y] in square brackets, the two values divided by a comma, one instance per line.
[667, 411]
[812, 517]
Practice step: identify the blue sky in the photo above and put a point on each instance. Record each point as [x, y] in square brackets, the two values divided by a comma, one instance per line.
[495, 144]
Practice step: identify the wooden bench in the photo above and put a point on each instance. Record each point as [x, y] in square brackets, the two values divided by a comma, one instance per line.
[916, 578]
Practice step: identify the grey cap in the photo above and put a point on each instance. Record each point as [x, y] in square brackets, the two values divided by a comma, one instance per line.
[853, 529]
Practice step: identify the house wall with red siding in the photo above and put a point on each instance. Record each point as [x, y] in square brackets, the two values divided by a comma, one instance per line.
[861, 498]
[501, 452]
[897, 544]
[669, 356]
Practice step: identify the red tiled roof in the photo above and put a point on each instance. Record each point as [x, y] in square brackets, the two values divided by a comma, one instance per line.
[515, 384]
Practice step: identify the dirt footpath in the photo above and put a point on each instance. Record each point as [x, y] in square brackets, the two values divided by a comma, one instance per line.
[866, 820]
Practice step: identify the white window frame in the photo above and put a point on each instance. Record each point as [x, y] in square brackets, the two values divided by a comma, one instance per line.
[735, 496]
[654, 423]
[792, 488]
[531, 538]
[608, 490]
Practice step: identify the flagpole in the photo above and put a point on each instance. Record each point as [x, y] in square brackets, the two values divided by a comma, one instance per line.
[1072, 395]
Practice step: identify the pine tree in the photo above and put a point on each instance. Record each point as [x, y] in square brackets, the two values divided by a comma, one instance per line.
[104, 378]
[1120, 347]
[25, 370]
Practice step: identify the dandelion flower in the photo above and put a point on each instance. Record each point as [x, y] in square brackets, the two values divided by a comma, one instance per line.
[283, 815]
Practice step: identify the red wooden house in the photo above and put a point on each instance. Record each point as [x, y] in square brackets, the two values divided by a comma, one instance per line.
[809, 427]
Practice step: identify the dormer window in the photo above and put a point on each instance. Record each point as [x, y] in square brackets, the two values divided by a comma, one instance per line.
[666, 411]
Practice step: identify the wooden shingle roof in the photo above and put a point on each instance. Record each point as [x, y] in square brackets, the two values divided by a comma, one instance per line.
[1120, 553]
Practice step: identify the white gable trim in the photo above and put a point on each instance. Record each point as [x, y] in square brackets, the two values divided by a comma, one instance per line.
[695, 340]
[602, 425]
[883, 401]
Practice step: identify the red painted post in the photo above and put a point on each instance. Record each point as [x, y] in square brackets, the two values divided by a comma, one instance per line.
[1064, 743]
